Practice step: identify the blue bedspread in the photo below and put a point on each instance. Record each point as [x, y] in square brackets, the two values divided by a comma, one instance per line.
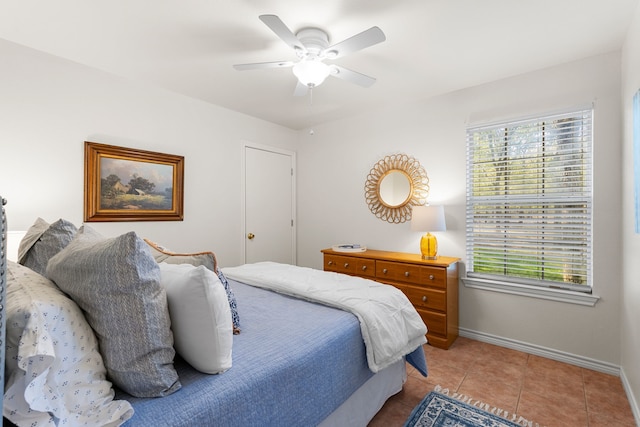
[294, 363]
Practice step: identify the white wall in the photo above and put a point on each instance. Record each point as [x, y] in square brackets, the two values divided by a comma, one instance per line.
[630, 334]
[50, 106]
[334, 162]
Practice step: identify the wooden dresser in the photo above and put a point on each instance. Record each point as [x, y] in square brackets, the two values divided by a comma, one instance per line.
[431, 286]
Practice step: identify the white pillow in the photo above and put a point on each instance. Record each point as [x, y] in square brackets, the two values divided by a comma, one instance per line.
[55, 372]
[200, 316]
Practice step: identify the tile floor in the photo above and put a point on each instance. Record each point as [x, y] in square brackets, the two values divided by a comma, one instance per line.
[550, 393]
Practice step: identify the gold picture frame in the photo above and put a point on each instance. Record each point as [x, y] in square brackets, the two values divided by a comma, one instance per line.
[127, 184]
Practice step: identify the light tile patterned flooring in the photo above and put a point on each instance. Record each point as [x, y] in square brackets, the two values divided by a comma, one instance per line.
[547, 392]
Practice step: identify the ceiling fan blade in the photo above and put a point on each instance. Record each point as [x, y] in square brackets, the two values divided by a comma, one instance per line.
[261, 65]
[301, 90]
[282, 31]
[351, 76]
[373, 35]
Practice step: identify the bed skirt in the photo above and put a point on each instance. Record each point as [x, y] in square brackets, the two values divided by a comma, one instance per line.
[365, 402]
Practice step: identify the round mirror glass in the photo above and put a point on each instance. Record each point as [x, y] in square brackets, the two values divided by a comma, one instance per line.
[395, 188]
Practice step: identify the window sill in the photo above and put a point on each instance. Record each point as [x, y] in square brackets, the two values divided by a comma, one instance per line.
[559, 295]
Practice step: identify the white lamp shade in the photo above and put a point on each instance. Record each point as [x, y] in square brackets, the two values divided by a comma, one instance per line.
[428, 218]
[311, 72]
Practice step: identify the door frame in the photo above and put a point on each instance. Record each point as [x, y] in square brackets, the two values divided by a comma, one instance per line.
[243, 205]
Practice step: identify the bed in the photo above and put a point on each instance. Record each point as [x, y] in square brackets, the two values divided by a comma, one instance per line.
[294, 364]
[295, 361]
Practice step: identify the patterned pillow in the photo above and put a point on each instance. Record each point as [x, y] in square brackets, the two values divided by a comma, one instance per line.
[233, 305]
[116, 282]
[55, 373]
[200, 316]
[43, 241]
[208, 259]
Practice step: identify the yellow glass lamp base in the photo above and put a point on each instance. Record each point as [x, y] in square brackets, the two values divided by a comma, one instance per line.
[429, 246]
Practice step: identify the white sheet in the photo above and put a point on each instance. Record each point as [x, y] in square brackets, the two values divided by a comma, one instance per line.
[390, 325]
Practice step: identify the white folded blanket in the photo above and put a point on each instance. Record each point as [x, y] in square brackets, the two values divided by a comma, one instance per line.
[390, 325]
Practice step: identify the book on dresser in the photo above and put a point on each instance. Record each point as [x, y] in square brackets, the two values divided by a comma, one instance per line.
[430, 285]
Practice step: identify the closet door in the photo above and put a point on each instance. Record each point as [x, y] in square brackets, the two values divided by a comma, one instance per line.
[269, 205]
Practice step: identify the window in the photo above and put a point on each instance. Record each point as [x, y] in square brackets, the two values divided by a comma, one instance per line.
[529, 201]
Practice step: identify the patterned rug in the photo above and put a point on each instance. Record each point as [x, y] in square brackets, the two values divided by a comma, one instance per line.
[438, 409]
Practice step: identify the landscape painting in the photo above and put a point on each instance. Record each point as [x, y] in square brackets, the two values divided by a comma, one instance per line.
[125, 184]
[129, 184]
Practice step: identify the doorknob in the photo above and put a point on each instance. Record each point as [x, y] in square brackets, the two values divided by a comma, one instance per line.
[250, 236]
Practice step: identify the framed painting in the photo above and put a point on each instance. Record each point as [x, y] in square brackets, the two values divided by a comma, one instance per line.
[126, 184]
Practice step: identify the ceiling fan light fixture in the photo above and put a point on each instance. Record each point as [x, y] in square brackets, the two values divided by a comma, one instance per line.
[311, 72]
[311, 46]
[331, 54]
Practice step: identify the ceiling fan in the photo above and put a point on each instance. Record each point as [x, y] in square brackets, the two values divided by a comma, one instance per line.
[311, 46]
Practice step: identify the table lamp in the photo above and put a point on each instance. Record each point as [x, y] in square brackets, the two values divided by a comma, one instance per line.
[428, 218]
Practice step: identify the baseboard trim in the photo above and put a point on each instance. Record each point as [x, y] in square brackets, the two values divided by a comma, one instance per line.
[630, 396]
[561, 356]
[549, 353]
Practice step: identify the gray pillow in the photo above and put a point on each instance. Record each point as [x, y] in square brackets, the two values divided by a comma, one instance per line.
[30, 238]
[116, 282]
[43, 241]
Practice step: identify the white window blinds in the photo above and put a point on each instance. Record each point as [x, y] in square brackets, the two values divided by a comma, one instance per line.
[529, 201]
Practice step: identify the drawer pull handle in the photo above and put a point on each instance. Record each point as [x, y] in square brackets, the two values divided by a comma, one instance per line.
[330, 263]
[431, 277]
[424, 298]
[384, 271]
[346, 265]
[406, 274]
[364, 268]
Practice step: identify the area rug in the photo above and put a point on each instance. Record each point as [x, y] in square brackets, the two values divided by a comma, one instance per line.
[438, 409]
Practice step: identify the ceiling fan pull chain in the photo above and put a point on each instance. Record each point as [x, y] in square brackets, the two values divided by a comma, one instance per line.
[311, 131]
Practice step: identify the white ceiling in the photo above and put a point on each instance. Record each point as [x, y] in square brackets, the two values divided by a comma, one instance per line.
[432, 46]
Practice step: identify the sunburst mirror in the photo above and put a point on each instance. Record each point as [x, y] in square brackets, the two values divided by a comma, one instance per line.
[394, 185]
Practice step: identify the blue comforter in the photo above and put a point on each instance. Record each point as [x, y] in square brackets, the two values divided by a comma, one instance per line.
[294, 363]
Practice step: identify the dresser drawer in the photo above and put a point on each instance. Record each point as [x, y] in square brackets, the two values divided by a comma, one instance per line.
[398, 272]
[349, 265]
[436, 322]
[425, 298]
[411, 273]
[330, 263]
[366, 268]
[432, 276]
